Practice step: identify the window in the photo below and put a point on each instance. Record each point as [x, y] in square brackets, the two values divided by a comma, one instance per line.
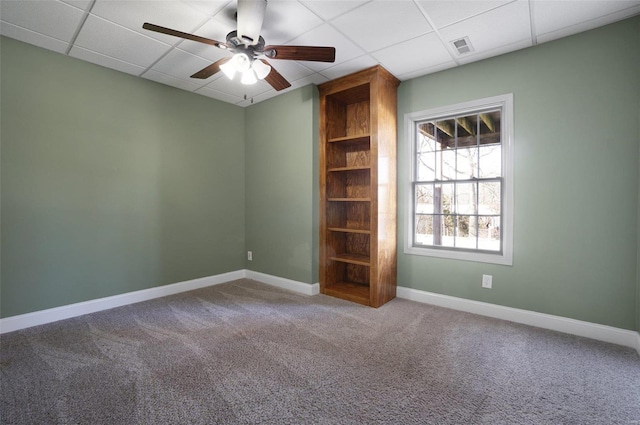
[461, 184]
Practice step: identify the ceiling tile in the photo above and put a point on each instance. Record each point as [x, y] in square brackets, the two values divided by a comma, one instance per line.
[208, 7]
[118, 42]
[291, 70]
[226, 15]
[588, 25]
[425, 71]
[285, 20]
[500, 50]
[262, 97]
[106, 61]
[224, 97]
[410, 56]
[236, 88]
[181, 64]
[294, 85]
[31, 37]
[80, 4]
[552, 15]
[369, 25]
[325, 35]
[349, 67]
[132, 14]
[245, 103]
[549, 16]
[215, 30]
[311, 79]
[328, 9]
[491, 30]
[443, 13]
[51, 18]
[171, 80]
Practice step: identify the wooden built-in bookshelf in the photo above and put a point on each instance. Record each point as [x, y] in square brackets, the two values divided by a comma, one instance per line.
[358, 187]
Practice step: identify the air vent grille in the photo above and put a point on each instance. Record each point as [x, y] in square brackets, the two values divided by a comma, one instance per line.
[462, 45]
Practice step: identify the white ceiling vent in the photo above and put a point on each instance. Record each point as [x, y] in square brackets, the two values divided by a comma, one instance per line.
[462, 45]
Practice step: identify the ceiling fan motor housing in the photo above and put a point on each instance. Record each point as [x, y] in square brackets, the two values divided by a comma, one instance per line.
[239, 44]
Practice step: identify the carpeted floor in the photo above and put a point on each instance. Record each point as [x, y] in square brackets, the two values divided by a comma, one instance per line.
[247, 353]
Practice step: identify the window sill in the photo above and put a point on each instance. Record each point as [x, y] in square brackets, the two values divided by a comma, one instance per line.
[505, 259]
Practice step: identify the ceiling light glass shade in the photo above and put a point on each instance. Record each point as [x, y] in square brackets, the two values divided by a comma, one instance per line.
[242, 62]
[249, 77]
[229, 68]
[261, 69]
[250, 70]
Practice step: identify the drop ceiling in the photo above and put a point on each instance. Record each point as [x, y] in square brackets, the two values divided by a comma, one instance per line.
[408, 37]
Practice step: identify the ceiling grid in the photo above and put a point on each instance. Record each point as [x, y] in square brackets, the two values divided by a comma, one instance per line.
[410, 38]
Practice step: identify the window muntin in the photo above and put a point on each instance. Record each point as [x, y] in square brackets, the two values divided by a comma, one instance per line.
[461, 186]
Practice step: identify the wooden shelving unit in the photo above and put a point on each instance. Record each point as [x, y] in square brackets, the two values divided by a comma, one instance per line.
[358, 187]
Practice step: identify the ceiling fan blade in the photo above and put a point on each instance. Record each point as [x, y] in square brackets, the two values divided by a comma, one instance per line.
[207, 72]
[275, 79]
[302, 53]
[175, 33]
[250, 18]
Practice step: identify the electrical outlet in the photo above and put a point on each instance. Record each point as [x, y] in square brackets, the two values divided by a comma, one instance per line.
[249, 255]
[487, 281]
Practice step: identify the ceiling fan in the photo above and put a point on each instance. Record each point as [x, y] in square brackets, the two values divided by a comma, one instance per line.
[249, 49]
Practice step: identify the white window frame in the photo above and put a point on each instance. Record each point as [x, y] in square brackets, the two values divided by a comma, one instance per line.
[505, 103]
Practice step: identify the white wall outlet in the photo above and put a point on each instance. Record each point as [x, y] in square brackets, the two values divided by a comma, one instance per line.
[487, 281]
[250, 255]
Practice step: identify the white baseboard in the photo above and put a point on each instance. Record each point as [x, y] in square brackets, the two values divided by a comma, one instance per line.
[281, 282]
[541, 320]
[547, 321]
[14, 323]
[22, 321]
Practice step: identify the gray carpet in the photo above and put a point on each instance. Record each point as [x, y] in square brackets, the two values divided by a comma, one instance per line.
[247, 353]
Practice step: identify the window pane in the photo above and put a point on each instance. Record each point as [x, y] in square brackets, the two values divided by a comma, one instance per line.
[489, 198]
[443, 198]
[467, 127]
[467, 165]
[490, 127]
[424, 230]
[446, 165]
[466, 231]
[466, 198]
[426, 137]
[489, 233]
[424, 199]
[426, 167]
[446, 134]
[447, 230]
[490, 161]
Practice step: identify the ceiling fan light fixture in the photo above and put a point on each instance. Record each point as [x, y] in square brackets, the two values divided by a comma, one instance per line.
[246, 44]
[249, 77]
[261, 69]
[229, 69]
[242, 62]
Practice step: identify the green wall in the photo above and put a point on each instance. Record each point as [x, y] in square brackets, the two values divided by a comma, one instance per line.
[281, 185]
[576, 177]
[111, 183]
